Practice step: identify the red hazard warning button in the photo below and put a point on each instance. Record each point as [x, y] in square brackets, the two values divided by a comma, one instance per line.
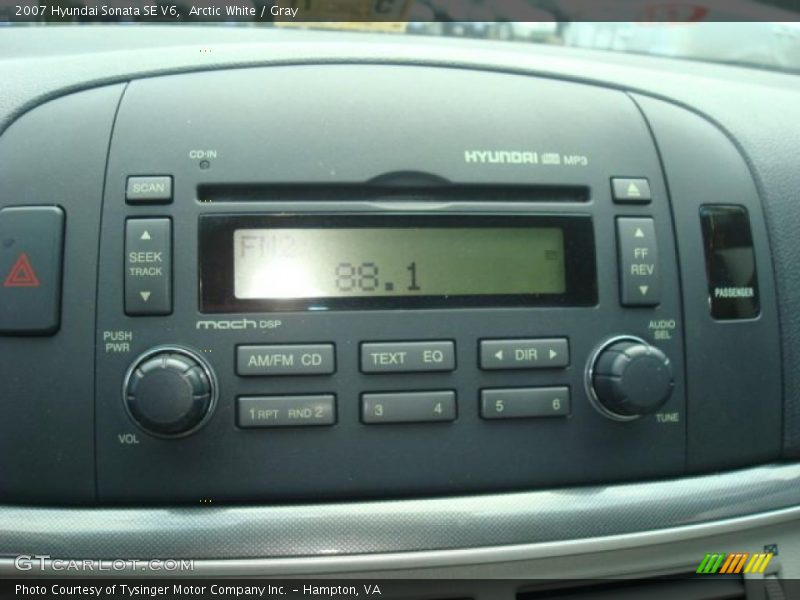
[31, 243]
[21, 274]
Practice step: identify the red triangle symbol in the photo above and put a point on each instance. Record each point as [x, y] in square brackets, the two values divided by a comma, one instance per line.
[21, 274]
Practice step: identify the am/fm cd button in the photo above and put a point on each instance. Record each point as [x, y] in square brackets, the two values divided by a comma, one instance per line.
[290, 359]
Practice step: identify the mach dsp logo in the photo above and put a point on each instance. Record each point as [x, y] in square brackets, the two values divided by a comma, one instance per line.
[737, 562]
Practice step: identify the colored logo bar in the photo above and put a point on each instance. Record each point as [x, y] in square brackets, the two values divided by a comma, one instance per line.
[736, 562]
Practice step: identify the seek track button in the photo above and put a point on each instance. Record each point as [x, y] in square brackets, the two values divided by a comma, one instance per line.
[536, 353]
[148, 267]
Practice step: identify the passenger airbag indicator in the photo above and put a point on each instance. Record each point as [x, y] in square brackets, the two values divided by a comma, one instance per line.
[730, 262]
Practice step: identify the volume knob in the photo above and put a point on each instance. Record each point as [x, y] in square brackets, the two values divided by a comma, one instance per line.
[169, 392]
[629, 378]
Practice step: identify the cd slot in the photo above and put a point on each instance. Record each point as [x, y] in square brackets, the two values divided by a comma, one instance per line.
[371, 192]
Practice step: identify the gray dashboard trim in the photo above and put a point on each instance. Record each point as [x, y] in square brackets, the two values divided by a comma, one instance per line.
[563, 520]
[438, 558]
[457, 557]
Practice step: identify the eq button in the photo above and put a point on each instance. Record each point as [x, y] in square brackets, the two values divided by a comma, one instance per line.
[543, 353]
[408, 357]
[290, 359]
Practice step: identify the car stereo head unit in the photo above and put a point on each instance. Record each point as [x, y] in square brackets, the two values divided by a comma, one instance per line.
[479, 289]
[289, 311]
[443, 318]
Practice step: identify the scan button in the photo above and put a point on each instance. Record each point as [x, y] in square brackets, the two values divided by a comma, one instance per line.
[149, 190]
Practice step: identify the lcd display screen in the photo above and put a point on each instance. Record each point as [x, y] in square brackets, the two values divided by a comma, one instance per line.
[252, 263]
[335, 263]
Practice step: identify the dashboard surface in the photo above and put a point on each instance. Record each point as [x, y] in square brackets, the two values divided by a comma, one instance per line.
[756, 113]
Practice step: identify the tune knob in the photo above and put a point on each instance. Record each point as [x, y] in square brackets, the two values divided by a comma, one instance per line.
[628, 378]
[169, 392]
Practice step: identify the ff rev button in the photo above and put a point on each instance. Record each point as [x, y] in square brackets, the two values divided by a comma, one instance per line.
[31, 247]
